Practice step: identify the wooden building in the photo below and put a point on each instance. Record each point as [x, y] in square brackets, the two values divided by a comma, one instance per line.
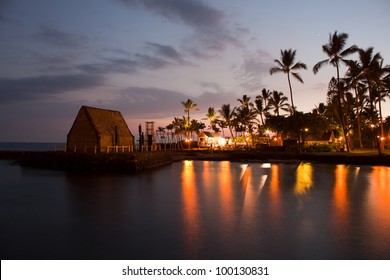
[210, 139]
[99, 130]
[326, 139]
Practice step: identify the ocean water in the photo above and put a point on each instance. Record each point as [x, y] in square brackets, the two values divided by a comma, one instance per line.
[31, 146]
[197, 210]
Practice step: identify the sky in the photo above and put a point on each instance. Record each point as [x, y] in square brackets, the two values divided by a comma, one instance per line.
[144, 57]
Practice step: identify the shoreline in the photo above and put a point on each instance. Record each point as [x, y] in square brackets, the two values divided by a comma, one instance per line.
[261, 156]
[136, 162]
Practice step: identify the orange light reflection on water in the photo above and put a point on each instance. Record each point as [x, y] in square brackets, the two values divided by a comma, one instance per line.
[275, 200]
[226, 195]
[304, 179]
[190, 209]
[379, 206]
[340, 193]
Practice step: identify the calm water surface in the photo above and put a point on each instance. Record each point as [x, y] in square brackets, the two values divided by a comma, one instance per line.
[196, 209]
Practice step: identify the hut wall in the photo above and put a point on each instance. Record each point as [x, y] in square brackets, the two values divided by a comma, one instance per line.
[82, 134]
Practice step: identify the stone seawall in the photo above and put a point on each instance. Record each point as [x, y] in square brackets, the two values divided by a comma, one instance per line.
[120, 162]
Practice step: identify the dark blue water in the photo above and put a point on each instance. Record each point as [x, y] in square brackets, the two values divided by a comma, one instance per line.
[31, 146]
[197, 210]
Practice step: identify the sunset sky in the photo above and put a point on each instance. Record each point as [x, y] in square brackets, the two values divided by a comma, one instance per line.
[143, 57]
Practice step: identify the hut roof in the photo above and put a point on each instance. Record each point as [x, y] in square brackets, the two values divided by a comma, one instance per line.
[104, 121]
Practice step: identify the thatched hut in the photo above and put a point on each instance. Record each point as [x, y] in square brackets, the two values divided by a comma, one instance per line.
[98, 130]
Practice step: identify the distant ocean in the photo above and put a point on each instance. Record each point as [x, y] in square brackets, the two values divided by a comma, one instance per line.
[31, 146]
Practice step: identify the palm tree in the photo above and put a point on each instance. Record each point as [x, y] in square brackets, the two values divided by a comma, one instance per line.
[245, 117]
[277, 101]
[245, 101]
[170, 127]
[228, 114]
[259, 108]
[353, 80]
[370, 73]
[213, 118]
[336, 54]
[287, 65]
[265, 94]
[189, 105]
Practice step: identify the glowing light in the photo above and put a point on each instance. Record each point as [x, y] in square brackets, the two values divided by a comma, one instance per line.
[341, 138]
[266, 165]
[304, 181]
[222, 142]
[243, 170]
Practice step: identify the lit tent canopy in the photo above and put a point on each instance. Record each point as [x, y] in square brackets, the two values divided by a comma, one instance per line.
[96, 128]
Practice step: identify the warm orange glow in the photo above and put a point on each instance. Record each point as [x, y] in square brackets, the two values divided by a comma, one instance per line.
[190, 208]
[304, 181]
[226, 193]
[378, 204]
[340, 198]
[274, 200]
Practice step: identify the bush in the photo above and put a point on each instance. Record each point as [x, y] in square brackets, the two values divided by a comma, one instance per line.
[318, 148]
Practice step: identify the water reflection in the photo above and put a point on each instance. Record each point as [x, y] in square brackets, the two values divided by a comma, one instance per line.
[304, 181]
[378, 214]
[192, 232]
[199, 209]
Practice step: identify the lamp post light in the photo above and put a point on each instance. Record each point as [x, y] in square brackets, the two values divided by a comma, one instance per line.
[373, 136]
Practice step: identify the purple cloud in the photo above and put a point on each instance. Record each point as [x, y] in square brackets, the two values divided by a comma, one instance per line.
[60, 38]
[41, 87]
[208, 23]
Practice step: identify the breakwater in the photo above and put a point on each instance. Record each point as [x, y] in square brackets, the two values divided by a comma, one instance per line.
[113, 162]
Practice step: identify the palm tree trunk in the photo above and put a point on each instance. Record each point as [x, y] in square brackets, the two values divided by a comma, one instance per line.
[341, 109]
[359, 121]
[381, 140]
[373, 119]
[294, 115]
[291, 93]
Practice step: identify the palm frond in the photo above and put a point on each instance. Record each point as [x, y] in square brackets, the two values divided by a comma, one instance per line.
[351, 50]
[276, 70]
[299, 65]
[297, 76]
[319, 65]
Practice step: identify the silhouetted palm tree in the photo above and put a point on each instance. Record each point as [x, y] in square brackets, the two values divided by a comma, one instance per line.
[354, 82]
[245, 101]
[213, 118]
[245, 117]
[277, 101]
[287, 65]
[189, 105]
[265, 93]
[336, 54]
[259, 108]
[370, 73]
[228, 114]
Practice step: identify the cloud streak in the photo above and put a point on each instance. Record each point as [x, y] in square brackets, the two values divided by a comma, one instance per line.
[254, 67]
[160, 57]
[41, 87]
[209, 24]
[58, 38]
